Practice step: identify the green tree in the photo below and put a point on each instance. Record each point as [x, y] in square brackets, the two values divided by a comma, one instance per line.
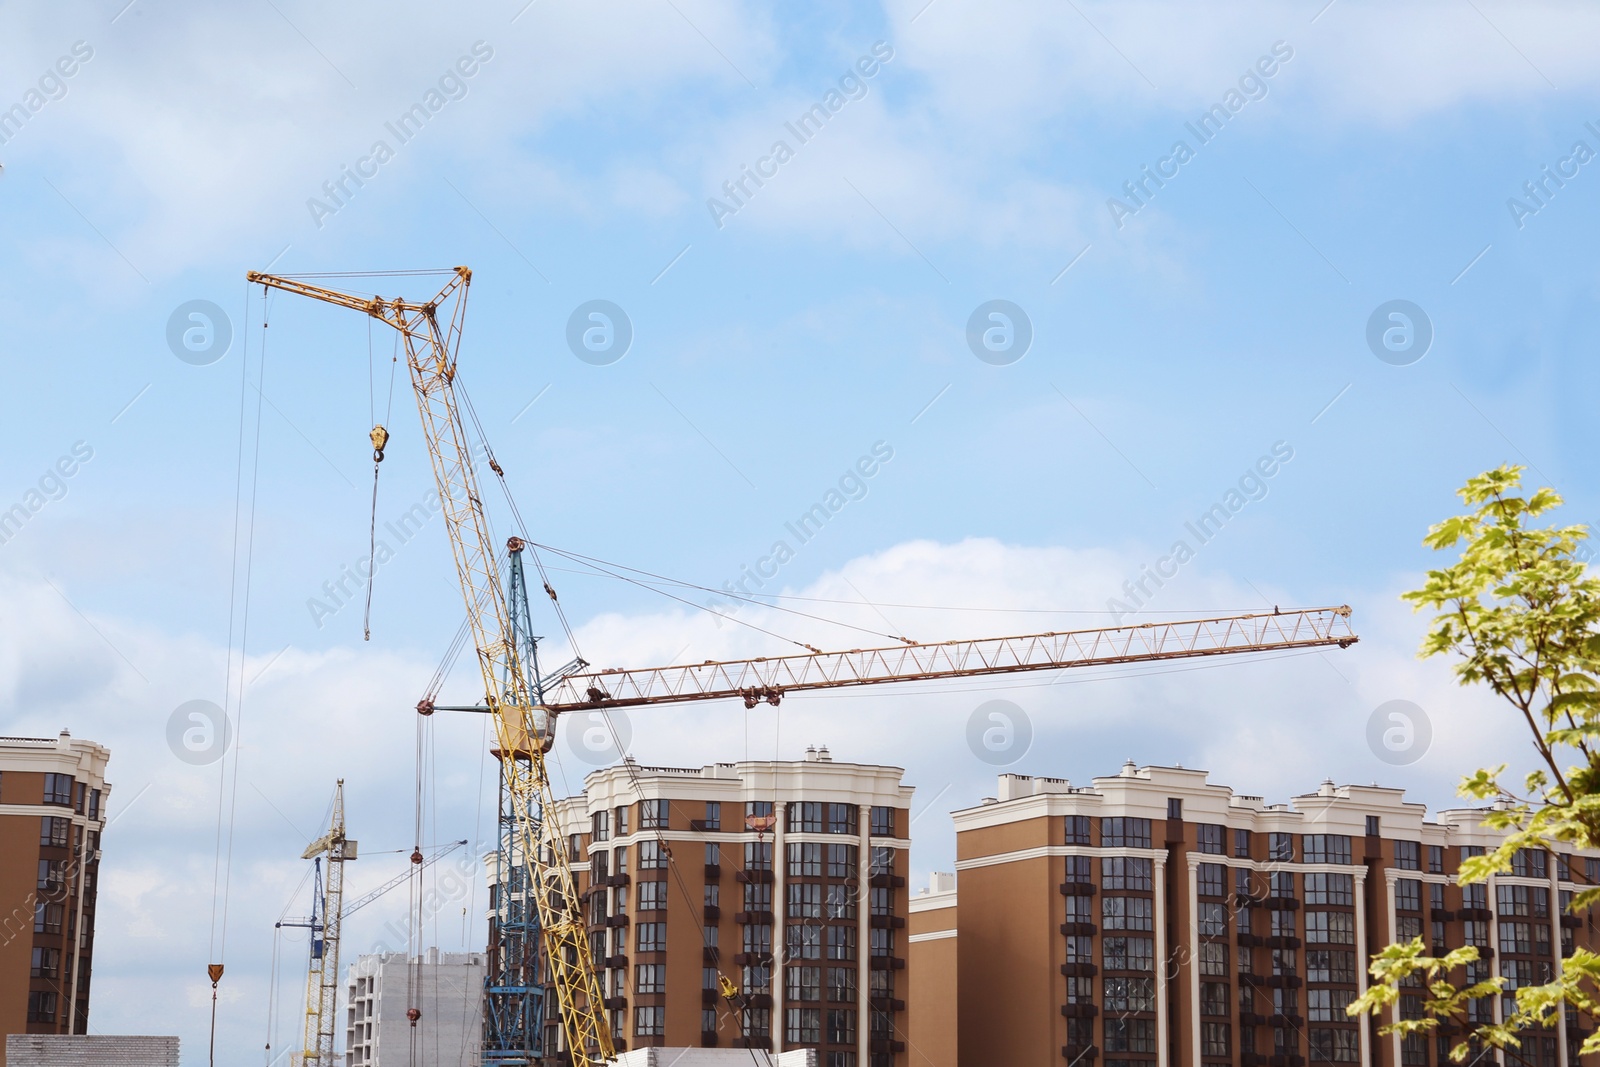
[1519, 613]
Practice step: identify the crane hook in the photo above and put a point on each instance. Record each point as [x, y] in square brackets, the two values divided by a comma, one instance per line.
[380, 438]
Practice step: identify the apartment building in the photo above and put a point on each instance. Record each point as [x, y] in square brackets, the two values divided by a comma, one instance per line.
[447, 987]
[786, 877]
[1155, 918]
[53, 796]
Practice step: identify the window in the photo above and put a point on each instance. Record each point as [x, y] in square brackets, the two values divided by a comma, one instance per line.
[1408, 894]
[1528, 863]
[841, 1026]
[758, 1022]
[1080, 1034]
[1408, 855]
[1280, 847]
[805, 817]
[1214, 959]
[1327, 848]
[841, 942]
[1282, 923]
[652, 937]
[757, 809]
[46, 918]
[882, 820]
[1078, 869]
[757, 856]
[653, 855]
[653, 815]
[52, 875]
[758, 896]
[1475, 896]
[622, 821]
[621, 858]
[1213, 998]
[848, 1059]
[880, 942]
[1125, 833]
[1330, 928]
[652, 896]
[1213, 919]
[841, 985]
[1475, 933]
[1283, 964]
[1514, 937]
[1282, 883]
[1130, 1035]
[1079, 990]
[841, 861]
[600, 826]
[650, 978]
[802, 983]
[1127, 953]
[53, 831]
[842, 901]
[1335, 1046]
[1080, 949]
[1523, 900]
[58, 789]
[1077, 829]
[713, 895]
[756, 938]
[1208, 838]
[713, 819]
[713, 854]
[1125, 872]
[1374, 828]
[756, 978]
[649, 1021]
[599, 867]
[1328, 1005]
[803, 1025]
[1211, 880]
[1175, 807]
[880, 900]
[842, 819]
[46, 963]
[1214, 1039]
[1330, 889]
[882, 860]
[1127, 913]
[805, 900]
[1435, 859]
[1241, 844]
[1330, 965]
[1435, 897]
[805, 859]
[41, 1007]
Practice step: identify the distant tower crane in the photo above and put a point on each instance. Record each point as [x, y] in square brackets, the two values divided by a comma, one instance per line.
[322, 977]
[525, 718]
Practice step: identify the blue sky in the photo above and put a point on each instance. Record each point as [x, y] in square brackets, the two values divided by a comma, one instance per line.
[827, 314]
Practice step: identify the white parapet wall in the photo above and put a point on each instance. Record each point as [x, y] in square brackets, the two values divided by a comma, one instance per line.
[90, 1050]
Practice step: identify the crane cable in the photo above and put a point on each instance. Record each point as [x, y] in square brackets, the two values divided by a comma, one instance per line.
[379, 436]
[222, 862]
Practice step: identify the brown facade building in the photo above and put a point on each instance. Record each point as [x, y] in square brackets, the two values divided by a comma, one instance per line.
[1154, 918]
[53, 796]
[787, 877]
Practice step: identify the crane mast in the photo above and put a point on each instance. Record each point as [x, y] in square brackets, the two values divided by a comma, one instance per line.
[524, 707]
[322, 978]
[431, 334]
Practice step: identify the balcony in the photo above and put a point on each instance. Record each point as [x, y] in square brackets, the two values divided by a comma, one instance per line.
[753, 877]
[1281, 904]
[745, 959]
[1079, 1053]
[1442, 916]
[1252, 1018]
[617, 920]
[619, 879]
[886, 1044]
[616, 1003]
[1284, 981]
[709, 997]
[1286, 1020]
[1477, 915]
[886, 963]
[762, 1043]
[710, 954]
[711, 913]
[708, 1039]
[1572, 922]
[886, 922]
[713, 872]
[753, 918]
[1249, 940]
[1077, 889]
[701, 826]
[1079, 1011]
[1079, 970]
[887, 1004]
[888, 881]
[1246, 978]
[1079, 929]
[616, 963]
[1283, 941]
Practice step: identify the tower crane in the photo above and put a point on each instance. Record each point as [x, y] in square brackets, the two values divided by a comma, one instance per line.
[322, 978]
[525, 718]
